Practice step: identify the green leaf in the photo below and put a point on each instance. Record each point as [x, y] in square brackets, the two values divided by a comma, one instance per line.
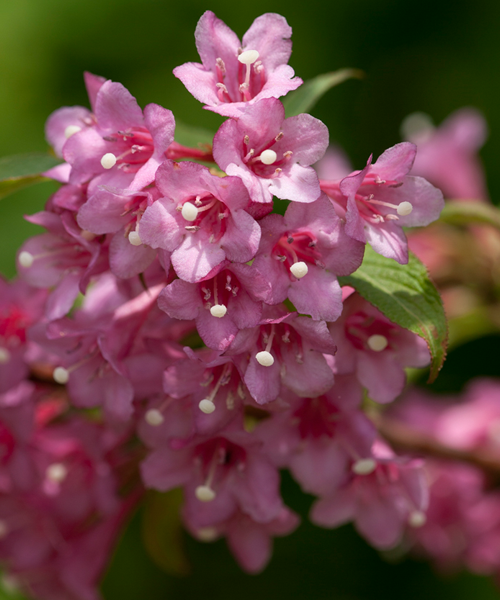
[458, 212]
[305, 97]
[162, 531]
[21, 170]
[406, 296]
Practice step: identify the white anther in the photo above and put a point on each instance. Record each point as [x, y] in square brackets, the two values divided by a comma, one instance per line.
[4, 529]
[206, 406]
[404, 209]
[108, 161]
[204, 493]
[248, 57]
[299, 269]
[207, 534]
[417, 518]
[4, 356]
[26, 259]
[189, 211]
[218, 310]
[56, 472]
[268, 157]
[264, 358]
[71, 130]
[61, 375]
[153, 417]
[364, 466]
[377, 343]
[134, 238]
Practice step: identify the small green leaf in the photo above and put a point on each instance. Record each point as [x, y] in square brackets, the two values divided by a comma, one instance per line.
[21, 170]
[305, 97]
[162, 531]
[406, 296]
[458, 212]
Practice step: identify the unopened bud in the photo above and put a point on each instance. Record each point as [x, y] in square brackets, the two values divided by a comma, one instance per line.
[299, 269]
[265, 358]
[108, 161]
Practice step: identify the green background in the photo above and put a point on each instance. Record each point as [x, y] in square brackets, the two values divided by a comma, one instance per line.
[432, 56]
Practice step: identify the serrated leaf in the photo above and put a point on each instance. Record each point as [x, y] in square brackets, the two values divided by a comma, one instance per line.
[162, 531]
[458, 212]
[406, 296]
[305, 97]
[22, 170]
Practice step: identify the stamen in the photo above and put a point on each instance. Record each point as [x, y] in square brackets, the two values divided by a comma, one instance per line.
[189, 211]
[268, 157]
[248, 57]
[377, 342]
[4, 356]
[108, 161]
[404, 209]
[26, 259]
[56, 472]
[153, 417]
[299, 269]
[61, 375]
[417, 518]
[218, 310]
[364, 466]
[71, 130]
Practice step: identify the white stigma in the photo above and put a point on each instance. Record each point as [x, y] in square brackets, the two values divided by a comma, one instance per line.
[417, 518]
[404, 209]
[26, 259]
[61, 375]
[134, 238]
[268, 157]
[4, 356]
[299, 269]
[153, 417]
[108, 161]
[377, 343]
[218, 310]
[56, 472]
[204, 493]
[189, 211]
[248, 57]
[206, 406]
[364, 466]
[264, 358]
[207, 534]
[71, 130]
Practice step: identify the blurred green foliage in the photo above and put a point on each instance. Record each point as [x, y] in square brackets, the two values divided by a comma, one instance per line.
[428, 56]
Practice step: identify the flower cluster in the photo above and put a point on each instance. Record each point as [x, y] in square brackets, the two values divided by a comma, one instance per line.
[169, 317]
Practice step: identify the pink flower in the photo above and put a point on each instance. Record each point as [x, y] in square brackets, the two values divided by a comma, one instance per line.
[380, 200]
[235, 75]
[200, 218]
[448, 155]
[272, 154]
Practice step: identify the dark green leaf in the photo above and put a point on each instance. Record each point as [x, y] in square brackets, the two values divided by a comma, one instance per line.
[406, 296]
[305, 97]
[21, 170]
[162, 531]
[458, 212]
